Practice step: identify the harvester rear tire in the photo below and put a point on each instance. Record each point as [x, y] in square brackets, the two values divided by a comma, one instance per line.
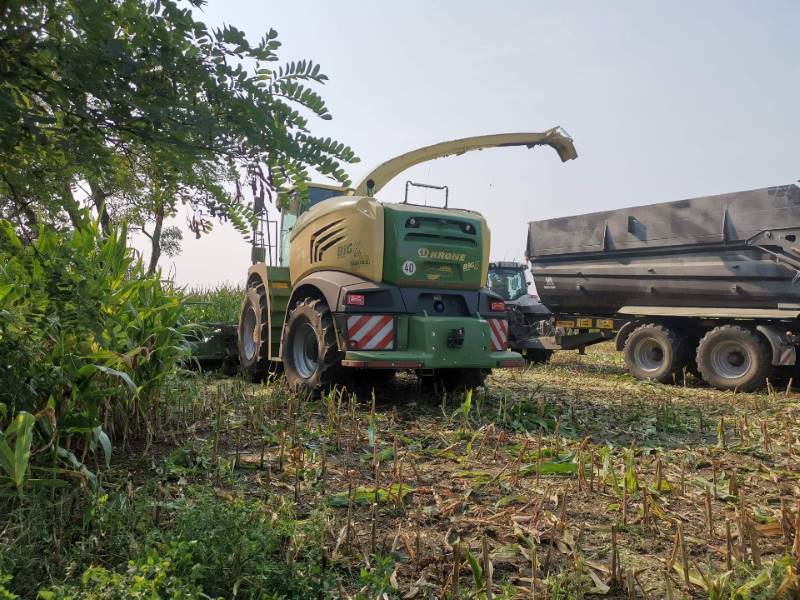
[731, 357]
[654, 352]
[311, 357]
[253, 333]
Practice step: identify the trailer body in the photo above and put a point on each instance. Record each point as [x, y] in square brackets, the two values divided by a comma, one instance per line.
[725, 266]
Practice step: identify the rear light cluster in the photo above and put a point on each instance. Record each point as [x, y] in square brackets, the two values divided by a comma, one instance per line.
[497, 306]
[510, 364]
[355, 300]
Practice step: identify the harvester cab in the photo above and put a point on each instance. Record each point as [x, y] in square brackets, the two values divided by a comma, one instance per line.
[346, 282]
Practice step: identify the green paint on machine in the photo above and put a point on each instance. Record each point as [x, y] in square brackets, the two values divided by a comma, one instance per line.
[432, 248]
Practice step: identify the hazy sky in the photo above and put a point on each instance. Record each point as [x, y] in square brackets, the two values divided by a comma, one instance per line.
[664, 101]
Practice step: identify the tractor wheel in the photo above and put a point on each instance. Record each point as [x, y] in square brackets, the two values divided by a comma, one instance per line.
[657, 353]
[459, 380]
[311, 358]
[538, 356]
[731, 357]
[254, 333]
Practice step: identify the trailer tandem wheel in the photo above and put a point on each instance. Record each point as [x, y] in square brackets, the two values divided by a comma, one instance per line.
[731, 357]
[656, 352]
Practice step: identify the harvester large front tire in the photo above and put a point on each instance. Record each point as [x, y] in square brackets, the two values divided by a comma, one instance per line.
[253, 333]
[311, 358]
[655, 353]
[731, 357]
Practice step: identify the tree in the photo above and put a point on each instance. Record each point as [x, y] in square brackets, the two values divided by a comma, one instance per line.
[133, 107]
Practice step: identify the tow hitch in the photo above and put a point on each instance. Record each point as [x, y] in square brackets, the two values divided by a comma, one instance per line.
[456, 338]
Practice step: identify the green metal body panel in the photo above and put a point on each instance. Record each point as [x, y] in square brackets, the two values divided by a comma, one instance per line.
[423, 339]
[438, 252]
[279, 290]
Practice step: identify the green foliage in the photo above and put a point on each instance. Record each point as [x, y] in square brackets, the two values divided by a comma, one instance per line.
[85, 339]
[779, 579]
[238, 548]
[14, 463]
[366, 495]
[572, 583]
[144, 108]
[5, 593]
[477, 571]
[377, 581]
[218, 304]
[562, 465]
[531, 412]
[204, 545]
[155, 577]
[463, 411]
[143, 547]
[608, 473]
[631, 480]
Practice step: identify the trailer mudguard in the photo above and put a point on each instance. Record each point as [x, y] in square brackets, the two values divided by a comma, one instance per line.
[784, 353]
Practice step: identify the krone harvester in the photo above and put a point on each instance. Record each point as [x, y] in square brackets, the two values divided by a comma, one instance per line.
[352, 284]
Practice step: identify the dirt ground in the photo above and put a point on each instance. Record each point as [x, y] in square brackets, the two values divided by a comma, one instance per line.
[572, 472]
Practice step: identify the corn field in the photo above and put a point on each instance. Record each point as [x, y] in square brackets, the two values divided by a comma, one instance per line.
[122, 475]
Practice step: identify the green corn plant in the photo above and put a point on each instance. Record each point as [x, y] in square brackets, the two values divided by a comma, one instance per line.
[216, 304]
[631, 480]
[15, 463]
[477, 571]
[463, 411]
[87, 334]
[715, 587]
[609, 473]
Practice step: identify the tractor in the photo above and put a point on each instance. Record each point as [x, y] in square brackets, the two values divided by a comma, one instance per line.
[530, 323]
[346, 286]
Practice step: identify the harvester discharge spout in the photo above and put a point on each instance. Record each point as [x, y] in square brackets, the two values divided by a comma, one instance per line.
[556, 138]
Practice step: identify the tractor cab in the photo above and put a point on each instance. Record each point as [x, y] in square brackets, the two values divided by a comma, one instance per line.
[507, 279]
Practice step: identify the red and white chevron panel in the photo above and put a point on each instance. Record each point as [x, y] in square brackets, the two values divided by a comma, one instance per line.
[499, 332]
[370, 332]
